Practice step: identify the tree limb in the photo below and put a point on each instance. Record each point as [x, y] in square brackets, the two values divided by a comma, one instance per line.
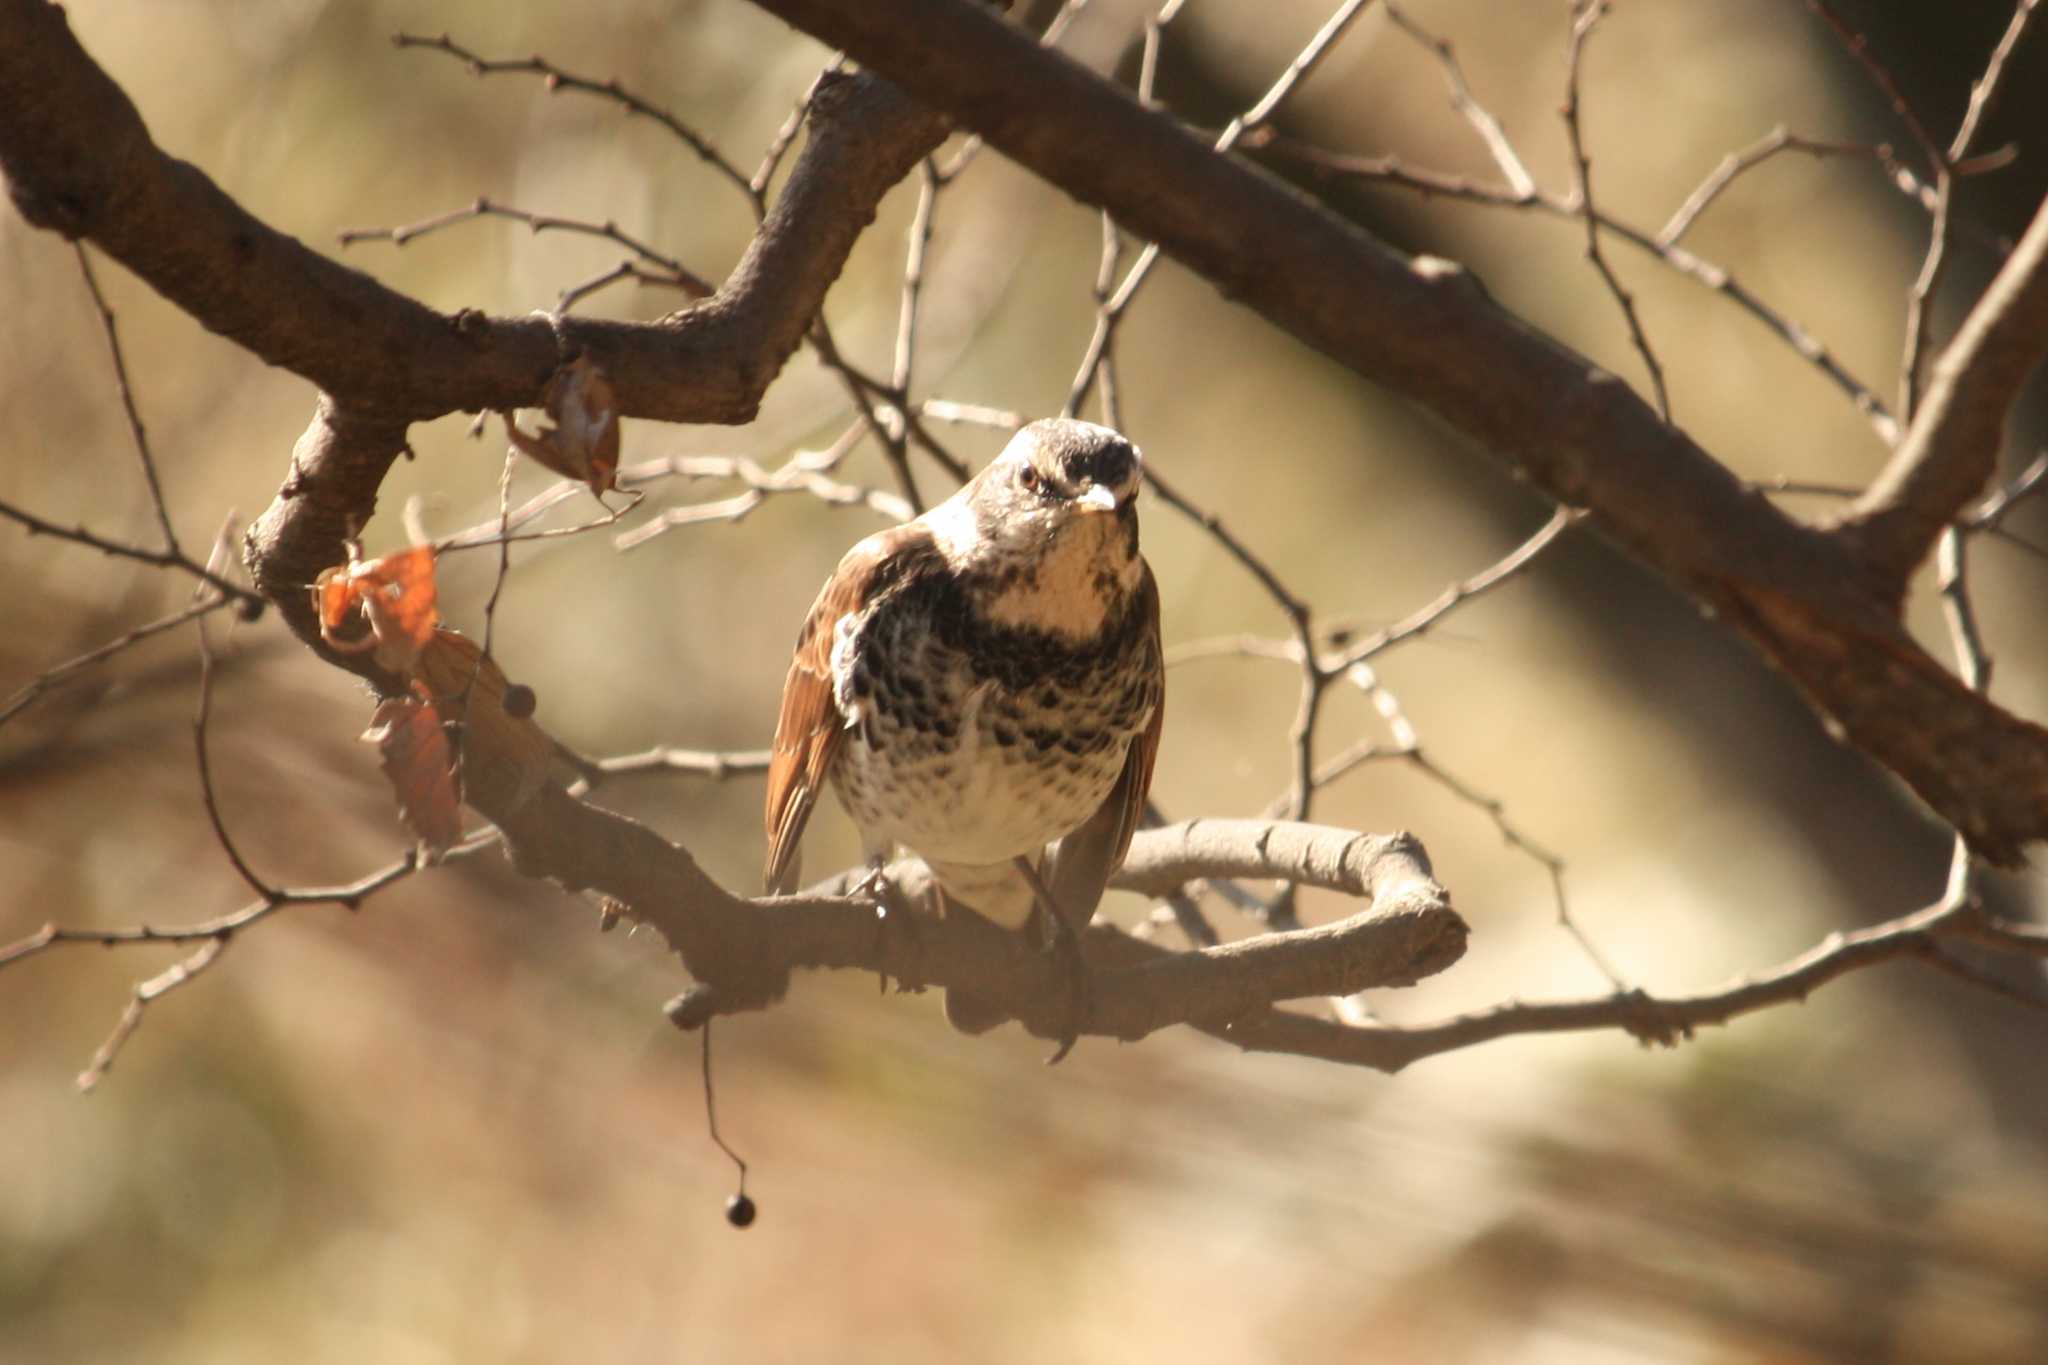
[1807, 597]
[79, 160]
[1951, 449]
[742, 951]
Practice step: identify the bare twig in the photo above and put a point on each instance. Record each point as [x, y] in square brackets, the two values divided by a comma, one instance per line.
[806, 472]
[1972, 661]
[778, 146]
[1948, 165]
[683, 277]
[1486, 580]
[147, 992]
[571, 295]
[1391, 171]
[1984, 91]
[1589, 13]
[1521, 184]
[1737, 163]
[1109, 314]
[247, 601]
[558, 79]
[1993, 510]
[1858, 46]
[717, 764]
[50, 677]
[121, 386]
[1950, 451]
[206, 790]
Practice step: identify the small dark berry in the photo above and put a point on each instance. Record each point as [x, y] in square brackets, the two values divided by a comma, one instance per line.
[250, 608]
[739, 1211]
[518, 701]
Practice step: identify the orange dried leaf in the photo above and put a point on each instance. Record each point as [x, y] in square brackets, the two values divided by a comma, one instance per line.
[396, 593]
[584, 442]
[420, 764]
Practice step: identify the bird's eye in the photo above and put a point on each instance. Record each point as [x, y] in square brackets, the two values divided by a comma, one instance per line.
[1028, 478]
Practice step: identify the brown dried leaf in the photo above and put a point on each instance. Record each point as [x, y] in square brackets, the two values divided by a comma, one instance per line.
[584, 442]
[503, 755]
[420, 764]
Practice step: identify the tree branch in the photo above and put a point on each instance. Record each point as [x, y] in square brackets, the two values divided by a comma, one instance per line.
[1951, 449]
[1426, 330]
[742, 951]
[79, 161]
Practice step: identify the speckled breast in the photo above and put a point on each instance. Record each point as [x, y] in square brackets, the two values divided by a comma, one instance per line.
[974, 743]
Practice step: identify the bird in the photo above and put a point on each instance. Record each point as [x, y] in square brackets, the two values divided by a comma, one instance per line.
[983, 680]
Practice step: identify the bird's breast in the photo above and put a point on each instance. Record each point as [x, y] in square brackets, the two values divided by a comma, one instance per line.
[972, 741]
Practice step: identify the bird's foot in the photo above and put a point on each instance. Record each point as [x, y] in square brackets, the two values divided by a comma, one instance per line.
[1065, 942]
[1079, 988]
[897, 936]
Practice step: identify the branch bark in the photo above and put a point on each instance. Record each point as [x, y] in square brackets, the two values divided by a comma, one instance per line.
[1819, 603]
[79, 161]
[1951, 451]
[742, 951]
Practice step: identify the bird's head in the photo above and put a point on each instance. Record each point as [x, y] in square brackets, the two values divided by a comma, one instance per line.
[1059, 481]
[1051, 525]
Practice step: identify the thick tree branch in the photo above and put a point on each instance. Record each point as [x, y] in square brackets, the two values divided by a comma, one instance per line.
[79, 160]
[1428, 331]
[1951, 450]
[742, 951]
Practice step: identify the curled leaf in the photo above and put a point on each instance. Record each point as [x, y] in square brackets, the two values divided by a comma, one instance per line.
[397, 595]
[420, 764]
[583, 444]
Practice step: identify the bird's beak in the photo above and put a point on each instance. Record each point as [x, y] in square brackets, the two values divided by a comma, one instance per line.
[1098, 497]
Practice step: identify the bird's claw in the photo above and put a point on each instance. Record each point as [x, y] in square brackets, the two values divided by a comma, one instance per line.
[1080, 991]
[894, 919]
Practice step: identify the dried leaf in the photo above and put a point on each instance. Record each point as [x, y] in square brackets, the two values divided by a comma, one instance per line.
[396, 592]
[420, 764]
[504, 754]
[584, 442]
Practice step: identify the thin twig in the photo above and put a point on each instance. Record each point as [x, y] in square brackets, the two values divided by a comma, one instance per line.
[147, 992]
[122, 387]
[1947, 165]
[1458, 594]
[779, 145]
[1589, 13]
[57, 673]
[1985, 90]
[1520, 182]
[717, 764]
[1994, 509]
[1858, 46]
[571, 295]
[684, 278]
[805, 473]
[880, 408]
[558, 79]
[206, 790]
[1738, 163]
[1973, 662]
[250, 602]
[1391, 171]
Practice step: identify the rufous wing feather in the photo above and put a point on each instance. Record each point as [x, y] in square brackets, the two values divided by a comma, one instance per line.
[807, 734]
[1085, 859]
[811, 727]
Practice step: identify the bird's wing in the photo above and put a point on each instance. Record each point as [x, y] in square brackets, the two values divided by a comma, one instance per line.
[1086, 858]
[811, 727]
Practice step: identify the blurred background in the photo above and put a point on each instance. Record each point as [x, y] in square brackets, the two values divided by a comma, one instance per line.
[455, 1126]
